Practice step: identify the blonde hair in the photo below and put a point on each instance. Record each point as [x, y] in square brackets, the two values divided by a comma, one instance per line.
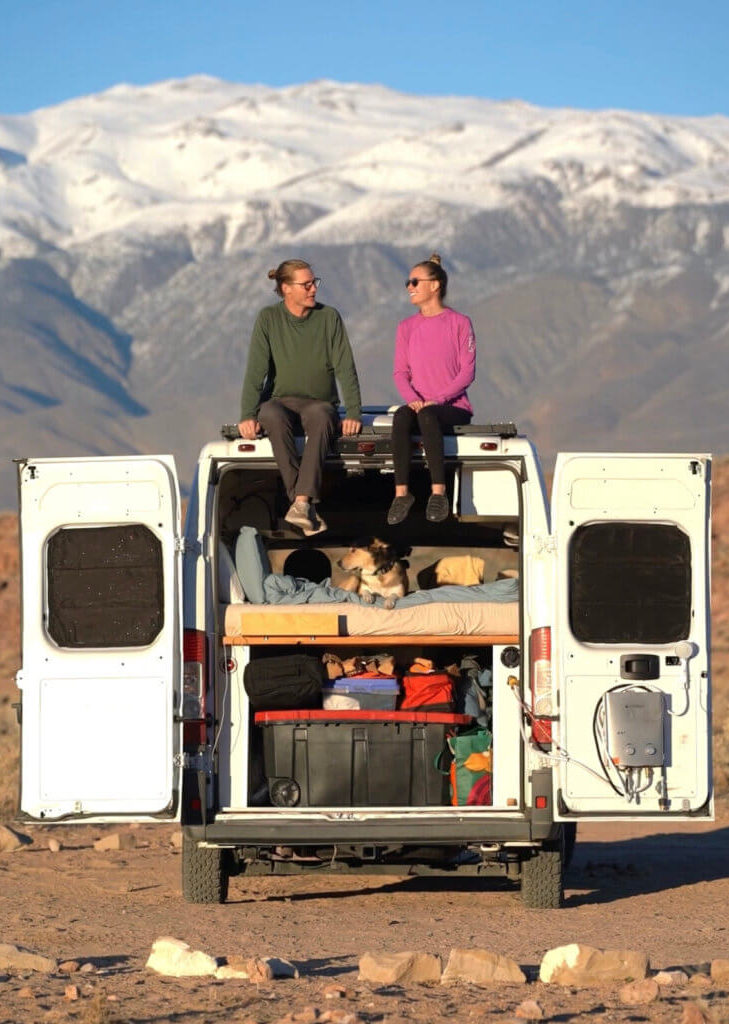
[283, 273]
[436, 271]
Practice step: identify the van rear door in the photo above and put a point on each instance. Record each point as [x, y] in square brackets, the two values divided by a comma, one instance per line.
[101, 637]
[631, 631]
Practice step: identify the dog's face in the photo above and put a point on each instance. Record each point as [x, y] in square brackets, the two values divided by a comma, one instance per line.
[367, 555]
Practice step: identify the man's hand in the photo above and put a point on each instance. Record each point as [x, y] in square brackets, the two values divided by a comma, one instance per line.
[249, 429]
[350, 427]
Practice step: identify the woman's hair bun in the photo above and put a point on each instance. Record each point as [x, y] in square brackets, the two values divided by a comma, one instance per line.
[434, 258]
[272, 274]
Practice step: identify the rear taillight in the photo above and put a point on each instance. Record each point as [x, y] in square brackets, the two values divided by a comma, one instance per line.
[540, 661]
[194, 685]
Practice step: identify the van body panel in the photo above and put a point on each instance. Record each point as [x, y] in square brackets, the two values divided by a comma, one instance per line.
[101, 637]
[631, 635]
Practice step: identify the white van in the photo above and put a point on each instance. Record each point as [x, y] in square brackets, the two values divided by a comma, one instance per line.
[594, 675]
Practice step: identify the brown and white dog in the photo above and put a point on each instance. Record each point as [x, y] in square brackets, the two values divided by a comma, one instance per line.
[375, 570]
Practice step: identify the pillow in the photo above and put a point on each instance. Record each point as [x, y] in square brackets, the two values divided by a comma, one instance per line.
[251, 561]
[230, 588]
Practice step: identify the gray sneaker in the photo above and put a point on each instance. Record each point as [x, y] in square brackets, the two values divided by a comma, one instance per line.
[303, 515]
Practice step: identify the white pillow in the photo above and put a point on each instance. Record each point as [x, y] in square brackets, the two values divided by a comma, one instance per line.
[230, 588]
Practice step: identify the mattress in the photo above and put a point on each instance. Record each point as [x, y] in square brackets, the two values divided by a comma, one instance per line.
[447, 619]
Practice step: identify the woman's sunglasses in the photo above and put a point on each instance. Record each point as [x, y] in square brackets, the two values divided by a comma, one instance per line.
[415, 281]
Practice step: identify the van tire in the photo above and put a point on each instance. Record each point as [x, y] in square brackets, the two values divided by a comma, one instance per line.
[204, 873]
[542, 885]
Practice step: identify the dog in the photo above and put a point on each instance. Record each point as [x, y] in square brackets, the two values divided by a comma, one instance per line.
[375, 570]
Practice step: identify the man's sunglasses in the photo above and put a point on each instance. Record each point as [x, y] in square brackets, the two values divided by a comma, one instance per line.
[415, 281]
[314, 283]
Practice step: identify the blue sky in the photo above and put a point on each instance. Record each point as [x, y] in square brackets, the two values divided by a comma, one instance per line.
[667, 57]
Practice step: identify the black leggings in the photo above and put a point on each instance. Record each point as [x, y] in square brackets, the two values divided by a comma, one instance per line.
[427, 423]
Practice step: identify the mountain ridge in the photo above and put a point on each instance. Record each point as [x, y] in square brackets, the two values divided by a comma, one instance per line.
[590, 248]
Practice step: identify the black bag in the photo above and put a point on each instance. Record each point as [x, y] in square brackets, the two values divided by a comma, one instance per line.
[284, 682]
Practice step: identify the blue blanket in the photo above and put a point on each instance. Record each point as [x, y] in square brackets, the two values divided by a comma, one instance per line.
[279, 589]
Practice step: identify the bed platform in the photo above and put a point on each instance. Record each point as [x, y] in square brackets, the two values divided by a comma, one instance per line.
[446, 623]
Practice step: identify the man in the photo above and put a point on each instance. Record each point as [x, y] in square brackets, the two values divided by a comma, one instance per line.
[299, 350]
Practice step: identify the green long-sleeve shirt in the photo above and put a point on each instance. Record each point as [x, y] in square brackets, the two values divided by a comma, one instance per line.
[302, 357]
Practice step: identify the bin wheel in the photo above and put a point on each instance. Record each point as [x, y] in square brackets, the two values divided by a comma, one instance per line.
[205, 873]
[542, 886]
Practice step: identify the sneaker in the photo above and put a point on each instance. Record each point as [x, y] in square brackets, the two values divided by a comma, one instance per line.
[437, 508]
[398, 511]
[303, 515]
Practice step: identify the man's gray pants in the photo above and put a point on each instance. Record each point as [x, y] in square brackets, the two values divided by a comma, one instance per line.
[280, 418]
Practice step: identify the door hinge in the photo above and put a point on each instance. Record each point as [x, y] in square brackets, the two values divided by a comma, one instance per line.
[180, 544]
[200, 762]
[545, 544]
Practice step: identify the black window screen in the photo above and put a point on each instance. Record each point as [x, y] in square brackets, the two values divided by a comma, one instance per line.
[105, 586]
[630, 583]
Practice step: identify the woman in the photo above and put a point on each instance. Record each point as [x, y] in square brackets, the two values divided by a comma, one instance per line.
[435, 361]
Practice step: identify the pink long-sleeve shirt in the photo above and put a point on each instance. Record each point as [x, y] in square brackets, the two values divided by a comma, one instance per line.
[435, 358]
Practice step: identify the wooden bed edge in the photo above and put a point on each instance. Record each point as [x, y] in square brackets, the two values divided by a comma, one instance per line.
[463, 639]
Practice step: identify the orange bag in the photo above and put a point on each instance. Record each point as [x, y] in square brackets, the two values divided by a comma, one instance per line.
[433, 692]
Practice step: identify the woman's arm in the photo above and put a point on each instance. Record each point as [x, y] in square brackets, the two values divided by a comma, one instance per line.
[401, 369]
[466, 351]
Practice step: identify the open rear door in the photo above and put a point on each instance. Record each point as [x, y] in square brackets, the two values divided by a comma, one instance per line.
[631, 636]
[101, 640]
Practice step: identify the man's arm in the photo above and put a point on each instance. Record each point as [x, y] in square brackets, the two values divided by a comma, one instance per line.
[259, 358]
[346, 374]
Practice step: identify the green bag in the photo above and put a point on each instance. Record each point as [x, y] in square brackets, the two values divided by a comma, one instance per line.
[470, 767]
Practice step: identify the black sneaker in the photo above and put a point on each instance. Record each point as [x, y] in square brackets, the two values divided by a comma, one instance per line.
[398, 511]
[437, 508]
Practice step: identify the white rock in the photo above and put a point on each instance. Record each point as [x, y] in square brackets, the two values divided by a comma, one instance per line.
[174, 958]
[586, 966]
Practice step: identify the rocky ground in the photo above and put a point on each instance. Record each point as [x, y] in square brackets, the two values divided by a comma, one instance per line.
[660, 893]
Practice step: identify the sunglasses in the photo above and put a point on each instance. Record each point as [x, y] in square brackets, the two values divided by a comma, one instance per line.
[415, 281]
[308, 285]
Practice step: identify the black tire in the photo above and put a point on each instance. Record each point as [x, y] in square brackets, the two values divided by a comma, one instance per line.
[569, 838]
[542, 886]
[205, 873]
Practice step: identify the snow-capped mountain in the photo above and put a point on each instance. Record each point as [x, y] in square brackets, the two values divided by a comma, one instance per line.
[137, 225]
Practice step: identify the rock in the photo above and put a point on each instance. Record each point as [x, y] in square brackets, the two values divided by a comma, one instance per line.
[696, 1013]
[668, 978]
[24, 960]
[54, 845]
[176, 840]
[700, 981]
[720, 972]
[87, 968]
[174, 958]
[26, 992]
[339, 1017]
[259, 971]
[529, 1010]
[71, 992]
[399, 968]
[116, 841]
[334, 992]
[68, 966]
[281, 968]
[637, 992]
[10, 840]
[481, 967]
[585, 966]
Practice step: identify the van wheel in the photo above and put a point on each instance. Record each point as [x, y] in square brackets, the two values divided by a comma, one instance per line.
[542, 885]
[204, 873]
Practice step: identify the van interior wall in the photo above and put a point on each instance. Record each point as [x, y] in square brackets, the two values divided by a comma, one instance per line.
[354, 505]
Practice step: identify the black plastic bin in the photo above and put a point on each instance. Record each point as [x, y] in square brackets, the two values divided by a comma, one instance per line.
[356, 758]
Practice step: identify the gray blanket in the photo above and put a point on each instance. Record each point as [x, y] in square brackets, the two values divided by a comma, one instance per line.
[279, 589]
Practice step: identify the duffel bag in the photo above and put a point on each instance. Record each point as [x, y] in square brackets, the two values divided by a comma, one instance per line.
[284, 682]
[434, 692]
[470, 767]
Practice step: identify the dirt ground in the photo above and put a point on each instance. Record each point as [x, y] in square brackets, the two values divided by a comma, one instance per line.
[663, 892]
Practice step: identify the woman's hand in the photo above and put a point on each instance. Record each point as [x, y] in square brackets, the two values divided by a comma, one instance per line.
[417, 405]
